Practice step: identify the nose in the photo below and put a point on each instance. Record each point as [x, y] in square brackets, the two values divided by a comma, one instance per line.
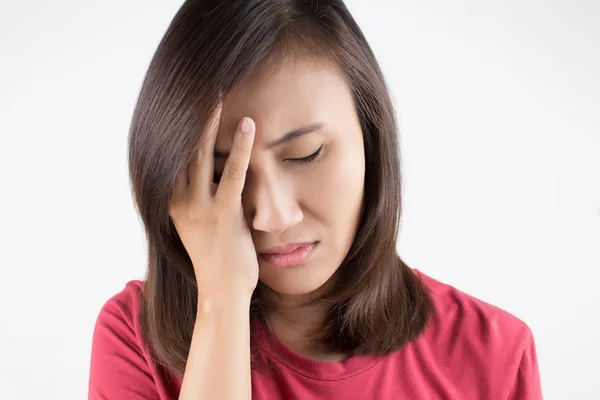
[270, 205]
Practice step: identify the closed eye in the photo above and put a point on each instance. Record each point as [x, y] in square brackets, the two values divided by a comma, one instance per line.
[307, 159]
[304, 160]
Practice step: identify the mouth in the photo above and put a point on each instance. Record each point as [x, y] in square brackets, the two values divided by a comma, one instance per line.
[290, 255]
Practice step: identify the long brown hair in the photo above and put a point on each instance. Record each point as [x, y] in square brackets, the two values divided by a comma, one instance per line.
[377, 304]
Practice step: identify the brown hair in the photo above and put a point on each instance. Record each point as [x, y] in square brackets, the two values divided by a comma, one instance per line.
[377, 304]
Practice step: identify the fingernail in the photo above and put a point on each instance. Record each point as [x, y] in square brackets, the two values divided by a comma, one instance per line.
[246, 126]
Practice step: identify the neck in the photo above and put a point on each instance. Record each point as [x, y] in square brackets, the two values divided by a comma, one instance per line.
[293, 324]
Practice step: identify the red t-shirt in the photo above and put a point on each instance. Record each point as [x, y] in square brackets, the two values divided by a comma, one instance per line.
[470, 350]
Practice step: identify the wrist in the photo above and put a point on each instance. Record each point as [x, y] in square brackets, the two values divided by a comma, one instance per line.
[223, 303]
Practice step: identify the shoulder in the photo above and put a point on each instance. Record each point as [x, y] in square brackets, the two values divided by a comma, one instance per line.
[479, 341]
[120, 311]
[120, 366]
[117, 320]
[127, 300]
[473, 316]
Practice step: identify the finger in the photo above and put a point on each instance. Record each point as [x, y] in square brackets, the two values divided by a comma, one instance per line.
[202, 168]
[233, 179]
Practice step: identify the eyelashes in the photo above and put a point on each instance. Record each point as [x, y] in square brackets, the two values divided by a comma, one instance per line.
[308, 159]
[304, 160]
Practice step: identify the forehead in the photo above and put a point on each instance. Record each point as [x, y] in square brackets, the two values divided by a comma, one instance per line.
[296, 92]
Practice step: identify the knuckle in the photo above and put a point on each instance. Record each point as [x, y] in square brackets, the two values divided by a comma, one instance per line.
[222, 206]
[233, 171]
[238, 147]
[204, 149]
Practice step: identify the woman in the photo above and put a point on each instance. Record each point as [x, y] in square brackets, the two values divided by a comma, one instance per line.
[265, 165]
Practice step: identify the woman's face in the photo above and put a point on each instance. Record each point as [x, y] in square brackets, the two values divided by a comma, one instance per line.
[290, 201]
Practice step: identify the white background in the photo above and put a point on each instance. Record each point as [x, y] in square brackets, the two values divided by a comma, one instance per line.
[499, 110]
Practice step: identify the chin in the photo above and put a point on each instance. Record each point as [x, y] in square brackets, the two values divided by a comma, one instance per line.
[291, 289]
[293, 286]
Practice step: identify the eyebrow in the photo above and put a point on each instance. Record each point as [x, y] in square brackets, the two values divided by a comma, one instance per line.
[285, 138]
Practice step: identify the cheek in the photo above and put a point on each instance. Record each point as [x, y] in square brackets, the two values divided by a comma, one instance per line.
[334, 190]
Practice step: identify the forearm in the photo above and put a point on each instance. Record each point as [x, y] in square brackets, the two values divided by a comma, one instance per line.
[218, 365]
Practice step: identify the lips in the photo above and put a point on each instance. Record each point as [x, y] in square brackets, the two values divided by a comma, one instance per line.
[286, 248]
[289, 255]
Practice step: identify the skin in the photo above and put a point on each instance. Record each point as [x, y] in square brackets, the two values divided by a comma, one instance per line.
[284, 201]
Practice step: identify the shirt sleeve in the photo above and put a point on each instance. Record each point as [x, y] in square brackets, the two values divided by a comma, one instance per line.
[119, 369]
[527, 385]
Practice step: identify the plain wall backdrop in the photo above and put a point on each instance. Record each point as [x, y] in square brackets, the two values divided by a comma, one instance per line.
[499, 112]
